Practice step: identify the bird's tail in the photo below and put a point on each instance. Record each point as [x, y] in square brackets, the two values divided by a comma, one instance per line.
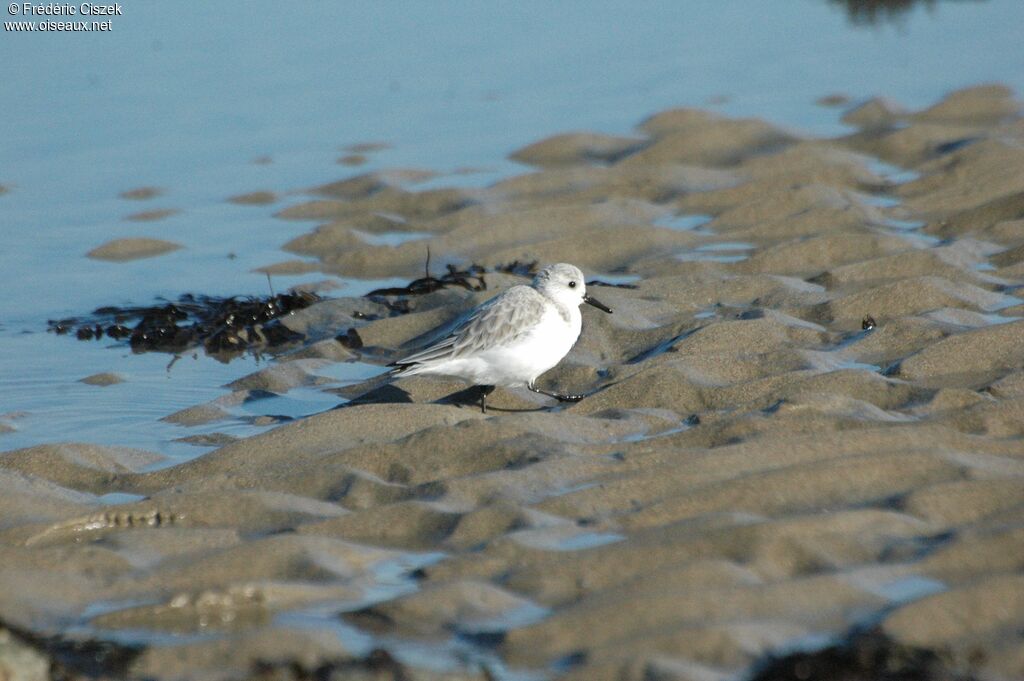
[400, 368]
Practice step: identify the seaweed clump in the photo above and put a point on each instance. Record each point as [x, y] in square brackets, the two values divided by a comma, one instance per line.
[523, 269]
[609, 284]
[223, 327]
[871, 12]
[68, 659]
[865, 656]
[395, 298]
[379, 664]
[470, 279]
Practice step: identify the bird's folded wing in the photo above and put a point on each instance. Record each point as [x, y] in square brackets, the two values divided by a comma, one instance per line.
[496, 323]
[440, 350]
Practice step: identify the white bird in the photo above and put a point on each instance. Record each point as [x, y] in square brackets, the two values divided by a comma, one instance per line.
[512, 338]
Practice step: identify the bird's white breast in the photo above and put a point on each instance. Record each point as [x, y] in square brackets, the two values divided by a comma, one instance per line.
[544, 346]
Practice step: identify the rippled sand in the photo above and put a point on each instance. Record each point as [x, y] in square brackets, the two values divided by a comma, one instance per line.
[760, 469]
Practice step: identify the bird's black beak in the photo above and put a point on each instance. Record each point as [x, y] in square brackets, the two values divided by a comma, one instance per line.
[597, 303]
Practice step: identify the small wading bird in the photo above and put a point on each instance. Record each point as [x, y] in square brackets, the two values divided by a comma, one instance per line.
[512, 338]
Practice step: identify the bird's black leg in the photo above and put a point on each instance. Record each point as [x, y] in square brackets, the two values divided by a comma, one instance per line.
[560, 398]
[485, 390]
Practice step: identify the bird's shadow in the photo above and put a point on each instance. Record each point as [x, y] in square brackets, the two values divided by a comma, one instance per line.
[392, 394]
[380, 390]
[385, 394]
[470, 397]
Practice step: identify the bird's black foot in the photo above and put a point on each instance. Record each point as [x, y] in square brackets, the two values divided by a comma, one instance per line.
[557, 396]
[485, 390]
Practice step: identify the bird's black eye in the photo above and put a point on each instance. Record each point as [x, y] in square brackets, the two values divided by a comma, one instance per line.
[572, 284]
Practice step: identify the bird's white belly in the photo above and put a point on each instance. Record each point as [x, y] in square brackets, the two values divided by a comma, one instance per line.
[519, 363]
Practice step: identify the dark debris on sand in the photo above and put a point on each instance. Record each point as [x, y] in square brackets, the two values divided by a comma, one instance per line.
[608, 284]
[378, 665]
[523, 269]
[89, 659]
[470, 279]
[871, 12]
[70, 659]
[223, 327]
[865, 656]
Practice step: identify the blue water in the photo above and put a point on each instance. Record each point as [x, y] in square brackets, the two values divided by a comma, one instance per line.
[186, 95]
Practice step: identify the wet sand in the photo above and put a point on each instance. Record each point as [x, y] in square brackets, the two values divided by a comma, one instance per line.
[134, 248]
[758, 470]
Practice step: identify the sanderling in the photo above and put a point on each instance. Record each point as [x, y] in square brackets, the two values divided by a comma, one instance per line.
[512, 338]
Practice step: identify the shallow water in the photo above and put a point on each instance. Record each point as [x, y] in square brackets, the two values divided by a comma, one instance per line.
[683, 222]
[725, 252]
[206, 102]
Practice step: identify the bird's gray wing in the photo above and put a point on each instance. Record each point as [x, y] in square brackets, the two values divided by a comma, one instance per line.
[440, 350]
[497, 322]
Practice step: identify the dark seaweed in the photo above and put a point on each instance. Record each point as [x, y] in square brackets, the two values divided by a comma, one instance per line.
[72, 659]
[350, 339]
[870, 12]
[523, 269]
[378, 664]
[598, 282]
[867, 656]
[222, 327]
[92, 659]
[470, 279]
